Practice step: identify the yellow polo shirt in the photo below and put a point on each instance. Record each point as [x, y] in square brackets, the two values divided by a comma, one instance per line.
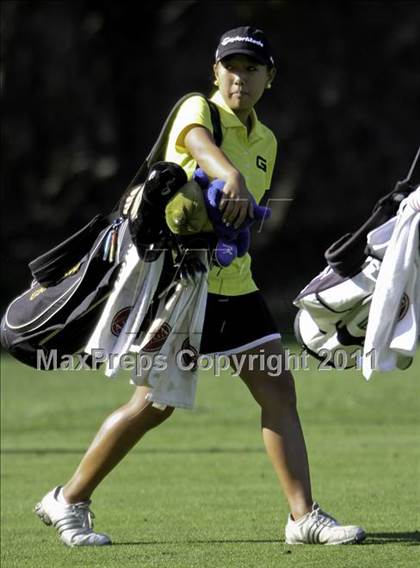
[252, 155]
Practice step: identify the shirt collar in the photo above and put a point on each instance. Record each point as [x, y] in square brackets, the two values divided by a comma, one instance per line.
[229, 118]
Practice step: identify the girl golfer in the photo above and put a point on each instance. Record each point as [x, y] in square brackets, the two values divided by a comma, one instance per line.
[243, 70]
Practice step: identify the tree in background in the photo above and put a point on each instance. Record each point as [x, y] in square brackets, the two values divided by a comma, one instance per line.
[86, 87]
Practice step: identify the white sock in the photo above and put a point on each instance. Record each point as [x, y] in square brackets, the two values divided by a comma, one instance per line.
[61, 499]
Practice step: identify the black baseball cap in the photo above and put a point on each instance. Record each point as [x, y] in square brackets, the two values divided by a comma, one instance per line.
[248, 41]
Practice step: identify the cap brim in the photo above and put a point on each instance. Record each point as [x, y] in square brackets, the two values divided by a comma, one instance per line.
[243, 51]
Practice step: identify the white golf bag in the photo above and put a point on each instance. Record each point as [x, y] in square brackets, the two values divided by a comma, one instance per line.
[333, 314]
[334, 307]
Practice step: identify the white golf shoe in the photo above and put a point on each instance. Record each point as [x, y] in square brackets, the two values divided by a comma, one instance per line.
[73, 521]
[317, 527]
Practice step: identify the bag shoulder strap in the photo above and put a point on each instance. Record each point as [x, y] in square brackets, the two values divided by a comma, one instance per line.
[215, 120]
[156, 153]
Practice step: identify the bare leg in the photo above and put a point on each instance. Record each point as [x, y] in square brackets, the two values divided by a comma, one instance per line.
[281, 429]
[117, 435]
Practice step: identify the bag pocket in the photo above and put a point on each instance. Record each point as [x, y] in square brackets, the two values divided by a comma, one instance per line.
[51, 266]
[63, 315]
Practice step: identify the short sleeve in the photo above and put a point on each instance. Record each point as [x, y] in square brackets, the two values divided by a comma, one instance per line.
[194, 111]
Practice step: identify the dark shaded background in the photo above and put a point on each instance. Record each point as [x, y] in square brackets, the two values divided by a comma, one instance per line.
[87, 85]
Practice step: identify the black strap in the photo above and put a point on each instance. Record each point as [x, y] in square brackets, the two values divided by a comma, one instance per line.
[347, 255]
[215, 120]
[157, 151]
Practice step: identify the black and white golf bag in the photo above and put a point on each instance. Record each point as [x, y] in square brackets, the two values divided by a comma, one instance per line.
[333, 314]
[334, 307]
[73, 282]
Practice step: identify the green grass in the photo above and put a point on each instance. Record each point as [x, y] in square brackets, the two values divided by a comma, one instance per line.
[199, 490]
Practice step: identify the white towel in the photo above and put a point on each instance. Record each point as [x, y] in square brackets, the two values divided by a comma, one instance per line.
[394, 324]
[125, 308]
[176, 331]
[148, 275]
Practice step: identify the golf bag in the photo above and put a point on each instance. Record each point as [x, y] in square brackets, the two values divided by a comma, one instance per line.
[334, 307]
[333, 314]
[71, 282]
[58, 311]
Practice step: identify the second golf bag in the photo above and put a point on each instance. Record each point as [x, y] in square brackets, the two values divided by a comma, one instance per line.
[334, 307]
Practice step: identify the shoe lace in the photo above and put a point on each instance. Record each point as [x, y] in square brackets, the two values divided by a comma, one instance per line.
[322, 518]
[84, 514]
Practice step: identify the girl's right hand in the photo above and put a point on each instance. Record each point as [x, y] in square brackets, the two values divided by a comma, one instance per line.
[236, 203]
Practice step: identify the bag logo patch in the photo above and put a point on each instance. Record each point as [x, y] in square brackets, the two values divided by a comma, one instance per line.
[36, 293]
[73, 270]
[119, 320]
[158, 338]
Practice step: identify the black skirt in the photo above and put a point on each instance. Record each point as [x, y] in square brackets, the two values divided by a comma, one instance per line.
[236, 323]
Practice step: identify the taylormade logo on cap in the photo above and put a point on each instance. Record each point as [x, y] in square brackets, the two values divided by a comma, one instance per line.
[248, 41]
[228, 39]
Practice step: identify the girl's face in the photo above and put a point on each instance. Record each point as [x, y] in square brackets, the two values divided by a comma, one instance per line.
[242, 81]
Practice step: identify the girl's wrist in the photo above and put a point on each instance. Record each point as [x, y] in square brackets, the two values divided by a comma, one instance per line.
[235, 176]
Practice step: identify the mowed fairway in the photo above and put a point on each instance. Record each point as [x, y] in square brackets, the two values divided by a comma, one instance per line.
[199, 490]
